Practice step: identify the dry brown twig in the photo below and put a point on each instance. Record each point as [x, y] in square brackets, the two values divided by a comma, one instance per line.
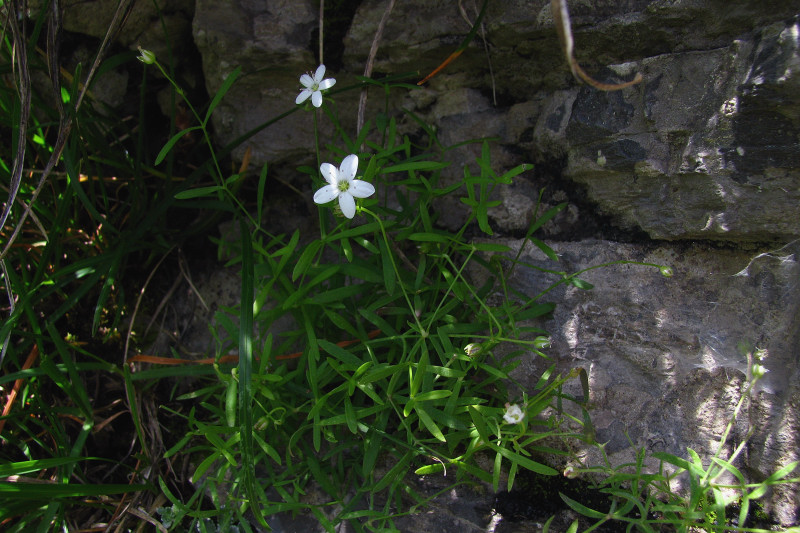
[564, 30]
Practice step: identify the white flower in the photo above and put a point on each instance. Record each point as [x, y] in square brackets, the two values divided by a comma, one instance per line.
[313, 87]
[513, 414]
[341, 184]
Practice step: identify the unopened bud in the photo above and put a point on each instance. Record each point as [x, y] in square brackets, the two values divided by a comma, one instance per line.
[666, 271]
[472, 349]
[146, 56]
[542, 342]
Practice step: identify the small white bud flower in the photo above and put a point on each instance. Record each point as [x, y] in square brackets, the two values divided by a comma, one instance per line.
[513, 414]
[146, 56]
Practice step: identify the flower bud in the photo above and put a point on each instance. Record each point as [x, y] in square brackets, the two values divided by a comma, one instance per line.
[146, 56]
[542, 342]
[759, 371]
[666, 271]
[472, 349]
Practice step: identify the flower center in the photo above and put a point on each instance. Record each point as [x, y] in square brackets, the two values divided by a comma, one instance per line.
[343, 185]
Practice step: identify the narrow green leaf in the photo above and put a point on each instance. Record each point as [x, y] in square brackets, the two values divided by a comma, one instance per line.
[421, 368]
[340, 353]
[246, 300]
[231, 402]
[198, 192]
[170, 143]
[389, 278]
[372, 448]
[730, 468]
[432, 395]
[18, 490]
[429, 237]
[479, 422]
[580, 508]
[514, 172]
[305, 259]
[415, 165]
[395, 473]
[512, 475]
[584, 285]
[496, 471]
[490, 247]
[544, 248]
[223, 89]
[435, 468]
[428, 422]
[20, 468]
[350, 416]
[300, 293]
[523, 461]
[262, 183]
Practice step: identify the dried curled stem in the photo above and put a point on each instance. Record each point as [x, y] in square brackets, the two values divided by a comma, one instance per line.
[373, 51]
[564, 29]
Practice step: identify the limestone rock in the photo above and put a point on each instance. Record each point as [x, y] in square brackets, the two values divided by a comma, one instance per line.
[699, 150]
[665, 357]
[270, 41]
[145, 25]
[695, 152]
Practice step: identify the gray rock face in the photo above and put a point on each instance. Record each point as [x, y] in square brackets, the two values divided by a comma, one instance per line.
[144, 26]
[699, 150]
[695, 152]
[664, 356]
[271, 42]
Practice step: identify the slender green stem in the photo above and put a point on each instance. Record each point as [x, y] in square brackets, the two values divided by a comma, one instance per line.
[323, 213]
[206, 135]
[724, 438]
[394, 267]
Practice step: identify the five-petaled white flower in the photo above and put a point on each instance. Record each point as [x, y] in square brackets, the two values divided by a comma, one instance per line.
[341, 184]
[313, 87]
[513, 414]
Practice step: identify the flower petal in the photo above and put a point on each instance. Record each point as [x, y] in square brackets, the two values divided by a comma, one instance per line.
[319, 74]
[307, 81]
[303, 96]
[326, 84]
[316, 98]
[361, 189]
[347, 204]
[330, 173]
[326, 194]
[349, 167]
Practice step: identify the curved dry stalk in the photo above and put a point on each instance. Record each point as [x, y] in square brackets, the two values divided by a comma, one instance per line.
[564, 30]
[485, 46]
[17, 20]
[373, 51]
[321, 24]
